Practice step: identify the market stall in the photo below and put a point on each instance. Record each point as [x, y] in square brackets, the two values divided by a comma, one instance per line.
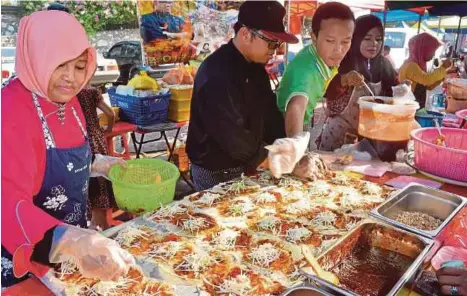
[362, 226]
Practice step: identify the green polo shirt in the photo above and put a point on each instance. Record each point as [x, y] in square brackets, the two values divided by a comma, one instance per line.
[306, 75]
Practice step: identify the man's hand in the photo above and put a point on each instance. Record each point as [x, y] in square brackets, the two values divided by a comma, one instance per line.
[353, 78]
[311, 166]
[453, 279]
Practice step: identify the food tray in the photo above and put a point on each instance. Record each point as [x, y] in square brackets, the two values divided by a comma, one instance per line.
[376, 234]
[419, 198]
[305, 289]
[149, 269]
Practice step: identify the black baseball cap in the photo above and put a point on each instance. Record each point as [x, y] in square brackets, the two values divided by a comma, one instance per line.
[267, 16]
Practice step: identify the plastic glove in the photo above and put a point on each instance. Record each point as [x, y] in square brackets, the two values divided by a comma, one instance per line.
[95, 255]
[311, 166]
[102, 164]
[353, 78]
[285, 153]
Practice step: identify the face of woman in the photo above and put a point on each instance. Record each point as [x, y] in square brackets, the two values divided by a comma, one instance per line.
[372, 43]
[67, 79]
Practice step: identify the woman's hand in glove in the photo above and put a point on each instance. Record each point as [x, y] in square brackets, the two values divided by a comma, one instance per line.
[311, 166]
[95, 255]
[102, 164]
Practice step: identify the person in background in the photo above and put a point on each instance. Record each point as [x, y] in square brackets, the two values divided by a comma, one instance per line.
[233, 110]
[364, 62]
[101, 195]
[422, 49]
[387, 55]
[46, 160]
[161, 24]
[306, 78]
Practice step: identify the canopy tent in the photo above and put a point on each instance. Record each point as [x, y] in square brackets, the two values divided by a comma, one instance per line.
[373, 5]
[393, 16]
[397, 5]
[448, 24]
[459, 9]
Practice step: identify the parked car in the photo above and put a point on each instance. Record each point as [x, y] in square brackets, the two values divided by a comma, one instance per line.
[107, 71]
[8, 62]
[128, 55]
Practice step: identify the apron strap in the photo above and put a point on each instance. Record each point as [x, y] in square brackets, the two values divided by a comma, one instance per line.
[79, 122]
[49, 140]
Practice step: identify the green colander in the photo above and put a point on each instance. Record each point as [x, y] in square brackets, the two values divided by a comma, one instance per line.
[145, 185]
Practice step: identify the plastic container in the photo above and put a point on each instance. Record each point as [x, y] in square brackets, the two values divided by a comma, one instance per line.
[179, 104]
[181, 92]
[179, 115]
[145, 185]
[141, 111]
[447, 162]
[457, 88]
[427, 120]
[386, 122]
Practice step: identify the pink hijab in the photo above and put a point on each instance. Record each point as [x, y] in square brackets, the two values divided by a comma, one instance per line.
[421, 47]
[47, 39]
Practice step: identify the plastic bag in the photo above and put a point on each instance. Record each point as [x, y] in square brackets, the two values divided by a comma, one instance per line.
[401, 93]
[179, 75]
[143, 82]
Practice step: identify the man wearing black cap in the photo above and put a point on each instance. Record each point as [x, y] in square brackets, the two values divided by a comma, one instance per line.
[233, 109]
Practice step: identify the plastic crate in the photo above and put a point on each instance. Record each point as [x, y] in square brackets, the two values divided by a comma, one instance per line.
[427, 120]
[181, 94]
[141, 111]
[179, 105]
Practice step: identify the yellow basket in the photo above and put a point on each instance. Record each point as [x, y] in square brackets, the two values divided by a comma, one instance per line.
[181, 105]
[181, 94]
[179, 115]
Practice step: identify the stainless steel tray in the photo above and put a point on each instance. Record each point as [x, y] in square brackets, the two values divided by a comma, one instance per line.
[305, 290]
[419, 198]
[381, 235]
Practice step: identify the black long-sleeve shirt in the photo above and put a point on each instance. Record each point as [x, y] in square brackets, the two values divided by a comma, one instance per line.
[233, 112]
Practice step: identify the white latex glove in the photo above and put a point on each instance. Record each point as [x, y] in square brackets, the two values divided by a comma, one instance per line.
[285, 153]
[95, 255]
[102, 164]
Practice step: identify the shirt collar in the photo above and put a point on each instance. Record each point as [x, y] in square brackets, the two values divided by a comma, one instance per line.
[326, 72]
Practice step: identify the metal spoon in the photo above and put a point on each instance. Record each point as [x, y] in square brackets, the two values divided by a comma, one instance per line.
[369, 89]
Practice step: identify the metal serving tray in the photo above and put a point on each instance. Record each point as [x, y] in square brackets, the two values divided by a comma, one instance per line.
[305, 290]
[418, 198]
[377, 234]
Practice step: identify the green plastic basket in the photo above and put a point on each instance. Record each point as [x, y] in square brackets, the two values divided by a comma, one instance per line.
[136, 189]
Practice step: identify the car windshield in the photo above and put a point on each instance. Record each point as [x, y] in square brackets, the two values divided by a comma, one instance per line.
[8, 52]
[394, 39]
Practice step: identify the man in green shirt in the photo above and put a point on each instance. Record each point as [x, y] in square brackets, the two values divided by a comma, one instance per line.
[309, 73]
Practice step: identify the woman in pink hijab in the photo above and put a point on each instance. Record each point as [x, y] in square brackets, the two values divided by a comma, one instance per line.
[422, 49]
[46, 160]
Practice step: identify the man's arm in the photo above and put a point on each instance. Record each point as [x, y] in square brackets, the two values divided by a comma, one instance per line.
[294, 115]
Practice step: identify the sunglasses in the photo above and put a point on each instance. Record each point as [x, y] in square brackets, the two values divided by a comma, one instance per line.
[272, 44]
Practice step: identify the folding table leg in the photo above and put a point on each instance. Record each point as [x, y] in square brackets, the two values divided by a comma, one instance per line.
[133, 139]
[138, 152]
